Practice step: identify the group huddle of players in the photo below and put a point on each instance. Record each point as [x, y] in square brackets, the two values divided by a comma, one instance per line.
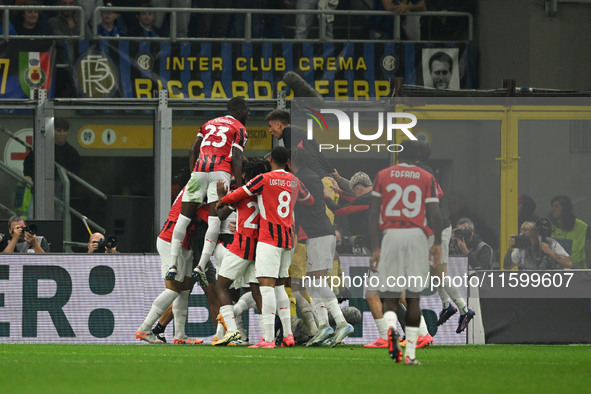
[249, 218]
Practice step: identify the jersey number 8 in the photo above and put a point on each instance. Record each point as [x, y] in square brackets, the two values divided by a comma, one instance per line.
[284, 200]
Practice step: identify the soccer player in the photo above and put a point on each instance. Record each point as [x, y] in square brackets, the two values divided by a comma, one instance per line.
[276, 192]
[404, 196]
[225, 239]
[446, 290]
[216, 154]
[177, 279]
[238, 262]
[320, 250]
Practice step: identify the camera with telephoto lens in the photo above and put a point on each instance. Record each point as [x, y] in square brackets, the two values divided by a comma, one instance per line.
[109, 243]
[353, 244]
[463, 233]
[544, 227]
[521, 241]
[31, 229]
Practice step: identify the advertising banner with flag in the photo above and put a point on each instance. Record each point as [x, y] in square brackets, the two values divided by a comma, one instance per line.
[24, 66]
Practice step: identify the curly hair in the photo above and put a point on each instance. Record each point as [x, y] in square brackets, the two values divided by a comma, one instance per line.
[255, 167]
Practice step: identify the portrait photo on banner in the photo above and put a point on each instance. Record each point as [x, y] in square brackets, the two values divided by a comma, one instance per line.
[441, 68]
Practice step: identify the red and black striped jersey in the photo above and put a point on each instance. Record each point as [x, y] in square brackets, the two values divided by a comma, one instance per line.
[219, 136]
[405, 190]
[247, 228]
[244, 246]
[277, 192]
[173, 215]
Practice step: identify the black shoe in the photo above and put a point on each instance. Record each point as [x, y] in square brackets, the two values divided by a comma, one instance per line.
[445, 314]
[464, 320]
[160, 336]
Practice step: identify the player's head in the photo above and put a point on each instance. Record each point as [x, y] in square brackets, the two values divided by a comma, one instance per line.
[278, 120]
[238, 108]
[300, 158]
[255, 167]
[360, 183]
[279, 157]
[440, 68]
[410, 151]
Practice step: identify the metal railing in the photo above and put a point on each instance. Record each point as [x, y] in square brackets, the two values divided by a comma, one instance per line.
[65, 176]
[6, 9]
[160, 110]
[248, 13]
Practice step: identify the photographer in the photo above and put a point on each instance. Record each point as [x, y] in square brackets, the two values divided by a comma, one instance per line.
[533, 249]
[24, 239]
[98, 244]
[465, 242]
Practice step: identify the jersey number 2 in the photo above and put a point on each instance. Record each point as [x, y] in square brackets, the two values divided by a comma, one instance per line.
[248, 222]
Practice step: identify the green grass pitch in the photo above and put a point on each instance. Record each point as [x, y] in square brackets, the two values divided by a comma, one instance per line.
[345, 369]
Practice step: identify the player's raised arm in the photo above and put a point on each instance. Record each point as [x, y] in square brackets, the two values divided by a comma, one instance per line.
[304, 196]
[254, 186]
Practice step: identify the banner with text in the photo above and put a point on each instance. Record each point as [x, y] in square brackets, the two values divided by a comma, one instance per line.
[136, 69]
[60, 298]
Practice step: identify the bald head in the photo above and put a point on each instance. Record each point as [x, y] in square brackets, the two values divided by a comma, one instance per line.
[93, 242]
[95, 237]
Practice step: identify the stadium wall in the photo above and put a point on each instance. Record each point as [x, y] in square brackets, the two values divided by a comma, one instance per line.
[519, 40]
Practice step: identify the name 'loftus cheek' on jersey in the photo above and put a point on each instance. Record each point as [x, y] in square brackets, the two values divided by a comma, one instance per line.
[219, 136]
[405, 190]
[277, 193]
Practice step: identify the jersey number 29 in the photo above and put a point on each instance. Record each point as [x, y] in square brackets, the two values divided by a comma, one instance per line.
[411, 197]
